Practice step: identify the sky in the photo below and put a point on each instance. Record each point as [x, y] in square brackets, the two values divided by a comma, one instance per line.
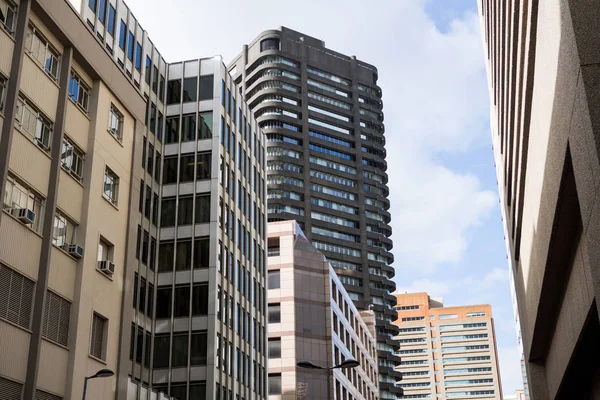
[448, 236]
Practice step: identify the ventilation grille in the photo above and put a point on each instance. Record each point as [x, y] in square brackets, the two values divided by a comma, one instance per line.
[41, 395]
[16, 297]
[10, 390]
[97, 345]
[57, 313]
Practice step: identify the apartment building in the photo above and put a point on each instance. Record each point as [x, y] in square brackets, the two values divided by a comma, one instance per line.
[312, 318]
[133, 206]
[541, 59]
[322, 114]
[447, 352]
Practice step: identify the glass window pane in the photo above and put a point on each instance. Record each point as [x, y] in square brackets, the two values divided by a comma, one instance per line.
[182, 301]
[190, 89]
[206, 87]
[186, 170]
[179, 349]
[184, 216]
[163, 303]
[201, 252]
[274, 280]
[274, 314]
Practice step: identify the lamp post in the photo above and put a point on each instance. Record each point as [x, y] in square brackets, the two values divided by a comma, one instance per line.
[350, 363]
[103, 373]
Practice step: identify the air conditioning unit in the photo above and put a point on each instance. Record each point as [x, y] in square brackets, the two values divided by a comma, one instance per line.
[25, 215]
[74, 250]
[108, 267]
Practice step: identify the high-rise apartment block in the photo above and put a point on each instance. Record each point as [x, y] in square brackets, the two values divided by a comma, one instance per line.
[447, 352]
[322, 114]
[312, 318]
[542, 64]
[133, 226]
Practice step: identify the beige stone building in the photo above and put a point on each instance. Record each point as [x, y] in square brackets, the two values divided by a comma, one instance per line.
[312, 318]
[447, 352]
[542, 64]
[133, 223]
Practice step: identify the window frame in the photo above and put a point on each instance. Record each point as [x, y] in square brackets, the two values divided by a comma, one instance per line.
[115, 123]
[79, 91]
[10, 6]
[95, 336]
[113, 196]
[51, 63]
[43, 126]
[74, 167]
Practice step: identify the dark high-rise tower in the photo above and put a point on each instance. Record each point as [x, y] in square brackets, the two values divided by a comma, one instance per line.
[322, 114]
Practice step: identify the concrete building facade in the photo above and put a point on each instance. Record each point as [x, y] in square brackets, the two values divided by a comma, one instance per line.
[312, 318]
[447, 352]
[542, 59]
[322, 114]
[133, 229]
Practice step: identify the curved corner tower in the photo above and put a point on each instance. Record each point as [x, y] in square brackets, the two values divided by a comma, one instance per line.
[322, 115]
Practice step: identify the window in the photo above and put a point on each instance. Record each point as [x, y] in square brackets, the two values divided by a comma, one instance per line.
[111, 20]
[98, 340]
[186, 168]
[269, 44]
[33, 122]
[274, 278]
[163, 302]
[79, 92]
[198, 351]
[200, 299]
[7, 15]
[130, 39]
[64, 230]
[476, 314]
[206, 87]
[174, 91]
[201, 252]
[16, 297]
[57, 313]
[102, 11]
[42, 52]
[161, 88]
[72, 159]
[184, 213]
[172, 130]
[188, 127]
[202, 209]
[182, 301]
[205, 126]
[408, 319]
[179, 351]
[447, 316]
[274, 348]
[170, 170]
[190, 89]
[274, 384]
[168, 212]
[115, 123]
[154, 78]
[274, 313]
[111, 186]
[122, 35]
[3, 82]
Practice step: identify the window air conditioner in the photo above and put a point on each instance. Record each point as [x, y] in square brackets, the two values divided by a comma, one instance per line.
[74, 250]
[108, 267]
[24, 215]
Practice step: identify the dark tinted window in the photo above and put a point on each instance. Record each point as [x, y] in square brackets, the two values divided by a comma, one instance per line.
[172, 130]
[180, 353]
[184, 255]
[188, 127]
[200, 300]
[206, 87]
[163, 302]
[170, 170]
[205, 128]
[190, 89]
[186, 168]
[202, 209]
[161, 351]
[201, 252]
[274, 313]
[198, 352]
[274, 348]
[184, 213]
[182, 301]
[269, 44]
[174, 92]
[165, 256]
[203, 166]
[167, 217]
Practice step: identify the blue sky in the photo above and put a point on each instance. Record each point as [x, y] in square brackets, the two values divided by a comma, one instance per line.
[448, 237]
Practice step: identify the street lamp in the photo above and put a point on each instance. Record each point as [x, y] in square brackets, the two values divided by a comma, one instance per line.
[103, 373]
[350, 363]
